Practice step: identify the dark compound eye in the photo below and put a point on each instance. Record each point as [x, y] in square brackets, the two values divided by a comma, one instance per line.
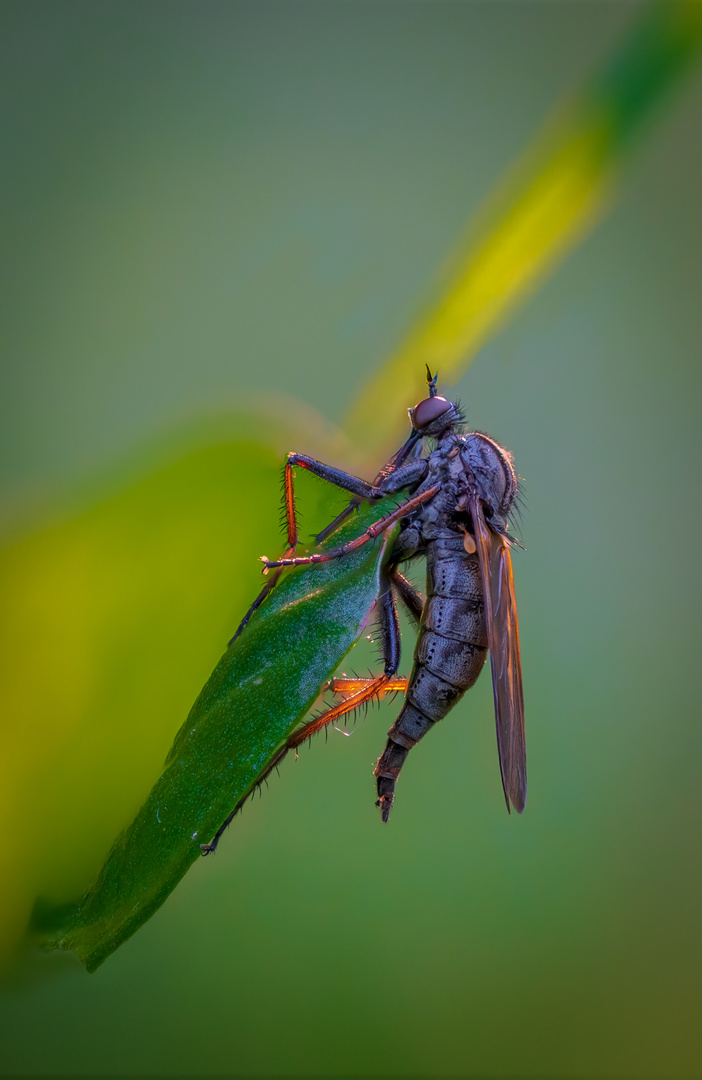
[428, 411]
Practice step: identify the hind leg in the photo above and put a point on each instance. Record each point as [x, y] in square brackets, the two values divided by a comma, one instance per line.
[362, 691]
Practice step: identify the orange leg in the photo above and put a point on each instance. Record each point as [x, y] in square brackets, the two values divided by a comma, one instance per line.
[345, 686]
[292, 530]
[370, 534]
[355, 692]
[367, 690]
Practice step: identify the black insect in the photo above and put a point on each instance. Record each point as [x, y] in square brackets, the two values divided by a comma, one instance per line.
[461, 495]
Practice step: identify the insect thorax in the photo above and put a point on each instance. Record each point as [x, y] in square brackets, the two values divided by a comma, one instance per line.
[459, 463]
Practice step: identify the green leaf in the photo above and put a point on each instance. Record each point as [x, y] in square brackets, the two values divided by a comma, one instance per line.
[259, 692]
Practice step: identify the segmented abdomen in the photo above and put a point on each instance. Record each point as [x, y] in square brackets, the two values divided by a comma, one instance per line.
[450, 654]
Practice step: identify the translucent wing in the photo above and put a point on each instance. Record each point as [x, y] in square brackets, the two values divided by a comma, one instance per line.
[505, 660]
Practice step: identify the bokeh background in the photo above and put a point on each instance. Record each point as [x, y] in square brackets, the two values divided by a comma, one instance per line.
[219, 220]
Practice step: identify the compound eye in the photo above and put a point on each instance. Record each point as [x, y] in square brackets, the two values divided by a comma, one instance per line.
[428, 411]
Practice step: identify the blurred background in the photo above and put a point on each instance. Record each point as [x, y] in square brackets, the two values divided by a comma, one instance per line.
[219, 220]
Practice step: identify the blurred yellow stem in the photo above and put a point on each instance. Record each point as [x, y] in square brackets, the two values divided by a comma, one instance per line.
[551, 199]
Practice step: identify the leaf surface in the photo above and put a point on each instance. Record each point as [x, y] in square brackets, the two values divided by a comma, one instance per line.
[259, 692]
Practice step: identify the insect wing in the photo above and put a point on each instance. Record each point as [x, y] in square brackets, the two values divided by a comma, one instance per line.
[505, 658]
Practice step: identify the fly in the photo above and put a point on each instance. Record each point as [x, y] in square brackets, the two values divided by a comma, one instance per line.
[458, 499]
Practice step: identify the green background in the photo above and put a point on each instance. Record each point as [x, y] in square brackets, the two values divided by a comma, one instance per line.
[216, 207]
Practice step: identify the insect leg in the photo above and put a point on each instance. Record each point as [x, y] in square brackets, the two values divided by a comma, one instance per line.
[338, 520]
[408, 594]
[256, 604]
[391, 761]
[354, 484]
[391, 466]
[370, 534]
[367, 689]
[372, 688]
[207, 849]
[359, 691]
[292, 531]
[345, 686]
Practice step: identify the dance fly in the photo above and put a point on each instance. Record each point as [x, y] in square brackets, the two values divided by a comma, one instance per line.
[446, 496]
[460, 489]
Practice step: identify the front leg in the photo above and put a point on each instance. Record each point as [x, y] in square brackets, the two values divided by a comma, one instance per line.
[344, 480]
[409, 450]
[407, 476]
[371, 532]
[325, 472]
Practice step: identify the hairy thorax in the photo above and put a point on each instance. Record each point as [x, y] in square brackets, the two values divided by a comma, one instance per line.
[459, 464]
